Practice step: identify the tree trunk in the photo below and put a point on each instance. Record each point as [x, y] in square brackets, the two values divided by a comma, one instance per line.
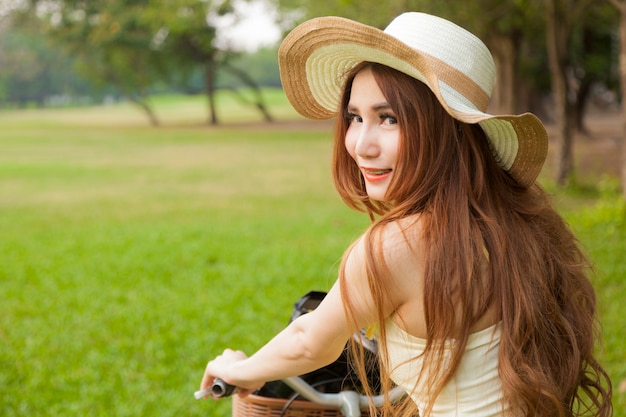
[557, 44]
[503, 99]
[582, 97]
[154, 121]
[209, 80]
[246, 79]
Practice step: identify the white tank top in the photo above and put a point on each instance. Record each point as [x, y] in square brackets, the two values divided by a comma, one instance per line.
[475, 391]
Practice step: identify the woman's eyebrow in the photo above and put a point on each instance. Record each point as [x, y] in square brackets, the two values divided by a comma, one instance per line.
[381, 106]
[375, 107]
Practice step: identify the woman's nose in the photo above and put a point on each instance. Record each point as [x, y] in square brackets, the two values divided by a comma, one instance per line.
[367, 143]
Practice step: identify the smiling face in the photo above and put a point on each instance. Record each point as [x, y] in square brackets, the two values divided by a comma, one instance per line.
[373, 134]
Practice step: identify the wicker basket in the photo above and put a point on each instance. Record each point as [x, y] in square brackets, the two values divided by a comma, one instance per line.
[257, 406]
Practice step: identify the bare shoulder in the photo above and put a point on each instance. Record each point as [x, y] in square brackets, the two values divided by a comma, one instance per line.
[403, 250]
[397, 249]
[401, 241]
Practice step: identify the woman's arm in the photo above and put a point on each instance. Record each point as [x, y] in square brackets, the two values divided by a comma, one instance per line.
[315, 339]
[310, 342]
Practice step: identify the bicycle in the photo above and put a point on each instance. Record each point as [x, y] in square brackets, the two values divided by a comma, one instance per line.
[349, 402]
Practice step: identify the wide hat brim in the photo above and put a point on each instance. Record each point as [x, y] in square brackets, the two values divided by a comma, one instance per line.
[316, 56]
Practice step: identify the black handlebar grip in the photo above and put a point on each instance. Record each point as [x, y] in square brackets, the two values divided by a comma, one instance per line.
[220, 388]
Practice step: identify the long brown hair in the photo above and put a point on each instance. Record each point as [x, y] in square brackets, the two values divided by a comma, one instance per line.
[537, 276]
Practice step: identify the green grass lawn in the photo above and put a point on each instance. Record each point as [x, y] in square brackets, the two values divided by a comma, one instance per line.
[131, 255]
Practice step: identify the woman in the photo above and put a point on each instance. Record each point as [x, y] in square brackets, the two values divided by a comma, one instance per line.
[478, 288]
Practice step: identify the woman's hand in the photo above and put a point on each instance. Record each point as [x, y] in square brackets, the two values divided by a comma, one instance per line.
[221, 366]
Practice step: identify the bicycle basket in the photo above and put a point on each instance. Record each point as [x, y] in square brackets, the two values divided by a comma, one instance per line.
[258, 406]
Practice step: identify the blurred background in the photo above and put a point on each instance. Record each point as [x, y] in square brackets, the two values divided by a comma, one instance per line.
[556, 58]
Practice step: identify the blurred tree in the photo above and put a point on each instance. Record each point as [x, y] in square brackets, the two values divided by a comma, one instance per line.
[109, 42]
[593, 57]
[562, 19]
[620, 5]
[261, 65]
[136, 44]
[374, 13]
[31, 70]
[23, 72]
[186, 36]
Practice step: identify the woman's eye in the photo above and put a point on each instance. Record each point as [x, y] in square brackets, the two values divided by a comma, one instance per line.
[353, 118]
[388, 119]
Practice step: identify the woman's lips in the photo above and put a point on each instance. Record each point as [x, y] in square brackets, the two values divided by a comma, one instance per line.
[375, 174]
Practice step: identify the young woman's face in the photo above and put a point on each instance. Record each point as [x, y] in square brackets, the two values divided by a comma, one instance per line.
[373, 134]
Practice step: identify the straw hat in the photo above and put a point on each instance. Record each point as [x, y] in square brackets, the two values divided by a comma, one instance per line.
[316, 56]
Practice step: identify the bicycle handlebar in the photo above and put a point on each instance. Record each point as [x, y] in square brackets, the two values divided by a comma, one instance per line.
[350, 402]
[221, 388]
[218, 389]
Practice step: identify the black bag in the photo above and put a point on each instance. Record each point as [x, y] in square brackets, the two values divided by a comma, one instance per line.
[338, 375]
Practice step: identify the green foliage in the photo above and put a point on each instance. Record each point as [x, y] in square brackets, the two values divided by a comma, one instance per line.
[110, 43]
[594, 44]
[32, 70]
[373, 13]
[262, 66]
